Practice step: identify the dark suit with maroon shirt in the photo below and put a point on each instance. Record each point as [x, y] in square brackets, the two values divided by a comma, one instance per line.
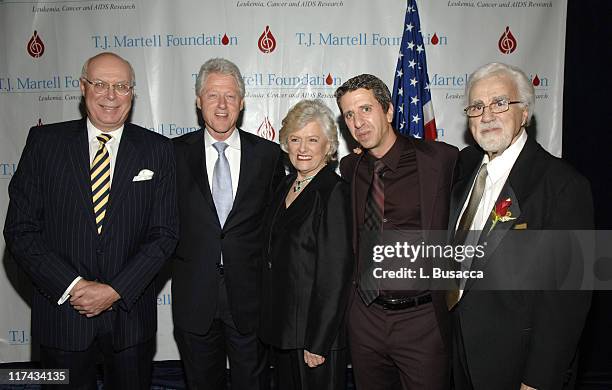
[417, 183]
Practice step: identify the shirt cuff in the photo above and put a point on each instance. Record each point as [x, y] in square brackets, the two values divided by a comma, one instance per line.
[67, 292]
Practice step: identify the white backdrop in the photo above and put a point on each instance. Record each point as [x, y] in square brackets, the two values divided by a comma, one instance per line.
[287, 51]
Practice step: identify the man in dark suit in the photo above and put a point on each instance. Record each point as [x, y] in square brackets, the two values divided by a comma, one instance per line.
[511, 190]
[92, 217]
[226, 177]
[396, 334]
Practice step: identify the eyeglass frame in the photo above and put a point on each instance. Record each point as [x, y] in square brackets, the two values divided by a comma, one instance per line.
[108, 86]
[489, 106]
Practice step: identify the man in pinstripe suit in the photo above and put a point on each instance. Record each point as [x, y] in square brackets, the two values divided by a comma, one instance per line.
[92, 218]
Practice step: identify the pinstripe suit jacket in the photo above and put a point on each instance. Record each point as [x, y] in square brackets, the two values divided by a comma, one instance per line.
[50, 231]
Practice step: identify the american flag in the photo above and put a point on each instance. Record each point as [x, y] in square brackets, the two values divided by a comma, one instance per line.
[414, 114]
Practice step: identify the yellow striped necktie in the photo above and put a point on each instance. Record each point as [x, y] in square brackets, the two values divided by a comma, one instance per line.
[100, 180]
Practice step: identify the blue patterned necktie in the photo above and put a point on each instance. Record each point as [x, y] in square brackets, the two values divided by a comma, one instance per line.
[222, 184]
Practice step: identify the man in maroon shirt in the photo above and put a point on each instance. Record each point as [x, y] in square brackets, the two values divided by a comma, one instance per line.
[396, 335]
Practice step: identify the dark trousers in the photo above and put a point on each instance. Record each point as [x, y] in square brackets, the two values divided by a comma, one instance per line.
[292, 373]
[130, 368]
[393, 349]
[204, 356]
[461, 374]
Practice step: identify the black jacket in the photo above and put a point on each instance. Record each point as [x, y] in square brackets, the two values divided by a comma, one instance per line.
[511, 337]
[195, 276]
[307, 266]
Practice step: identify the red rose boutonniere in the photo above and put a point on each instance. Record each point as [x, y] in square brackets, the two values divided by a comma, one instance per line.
[501, 213]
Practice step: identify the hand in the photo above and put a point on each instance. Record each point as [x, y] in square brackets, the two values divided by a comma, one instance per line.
[91, 298]
[525, 387]
[357, 150]
[312, 359]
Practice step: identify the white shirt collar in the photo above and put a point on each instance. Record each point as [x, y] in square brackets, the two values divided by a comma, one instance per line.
[233, 141]
[93, 132]
[500, 166]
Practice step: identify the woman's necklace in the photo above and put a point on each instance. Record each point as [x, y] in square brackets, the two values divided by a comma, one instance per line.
[300, 184]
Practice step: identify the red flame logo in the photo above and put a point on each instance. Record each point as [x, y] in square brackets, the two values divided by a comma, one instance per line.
[39, 122]
[265, 130]
[36, 47]
[225, 40]
[329, 80]
[536, 81]
[507, 42]
[267, 42]
[435, 40]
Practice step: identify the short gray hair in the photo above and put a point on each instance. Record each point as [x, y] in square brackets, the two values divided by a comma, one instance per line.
[222, 66]
[305, 112]
[526, 93]
[108, 53]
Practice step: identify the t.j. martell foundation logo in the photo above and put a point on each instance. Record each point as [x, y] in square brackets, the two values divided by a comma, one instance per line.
[36, 47]
[266, 42]
[265, 130]
[507, 42]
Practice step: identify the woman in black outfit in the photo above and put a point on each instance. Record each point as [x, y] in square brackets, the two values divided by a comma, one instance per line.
[307, 262]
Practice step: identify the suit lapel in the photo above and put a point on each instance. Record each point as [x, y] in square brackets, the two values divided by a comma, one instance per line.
[523, 177]
[303, 203]
[78, 151]
[492, 235]
[279, 202]
[196, 159]
[519, 184]
[126, 167]
[249, 166]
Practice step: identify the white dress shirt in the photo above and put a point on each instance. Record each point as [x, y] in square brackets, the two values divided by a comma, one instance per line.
[232, 152]
[498, 171]
[113, 147]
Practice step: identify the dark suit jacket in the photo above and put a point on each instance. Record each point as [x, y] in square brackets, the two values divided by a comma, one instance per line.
[195, 278]
[50, 231]
[523, 336]
[307, 267]
[435, 164]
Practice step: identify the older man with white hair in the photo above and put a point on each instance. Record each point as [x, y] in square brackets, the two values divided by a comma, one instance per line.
[514, 337]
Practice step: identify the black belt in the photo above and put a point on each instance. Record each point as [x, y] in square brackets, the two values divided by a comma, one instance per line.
[402, 303]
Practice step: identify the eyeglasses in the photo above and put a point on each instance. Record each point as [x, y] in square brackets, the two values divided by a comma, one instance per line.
[101, 87]
[496, 107]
